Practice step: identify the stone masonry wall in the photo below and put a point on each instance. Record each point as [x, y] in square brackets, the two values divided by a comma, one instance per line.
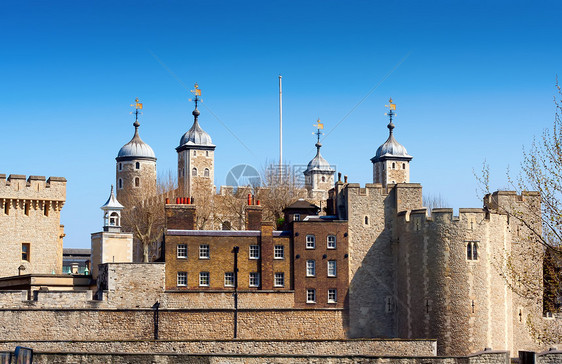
[237, 347]
[30, 213]
[371, 262]
[462, 302]
[95, 358]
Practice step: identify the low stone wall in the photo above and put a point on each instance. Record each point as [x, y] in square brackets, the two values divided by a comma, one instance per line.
[180, 324]
[237, 347]
[41, 358]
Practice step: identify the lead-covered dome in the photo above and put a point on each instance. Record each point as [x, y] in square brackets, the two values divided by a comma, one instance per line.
[196, 136]
[391, 149]
[318, 163]
[136, 148]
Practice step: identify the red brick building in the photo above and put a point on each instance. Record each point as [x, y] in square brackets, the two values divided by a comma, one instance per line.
[308, 258]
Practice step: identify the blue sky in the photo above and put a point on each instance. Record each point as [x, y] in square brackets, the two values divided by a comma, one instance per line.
[472, 81]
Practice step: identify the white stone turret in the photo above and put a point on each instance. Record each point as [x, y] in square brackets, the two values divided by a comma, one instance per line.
[112, 214]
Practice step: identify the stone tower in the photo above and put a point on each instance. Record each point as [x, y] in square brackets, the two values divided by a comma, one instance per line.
[31, 238]
[391, 163]
[319, 175]
[111, 245]
[136, 168]
[196, 158]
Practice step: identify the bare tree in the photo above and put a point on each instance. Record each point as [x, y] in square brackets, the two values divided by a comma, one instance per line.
[434, 201]
[280, 187]
[538, 225]
[144, 216]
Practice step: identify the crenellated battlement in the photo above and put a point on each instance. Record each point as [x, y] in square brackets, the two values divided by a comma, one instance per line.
[504, 202]
[33, 188]
[442, 215]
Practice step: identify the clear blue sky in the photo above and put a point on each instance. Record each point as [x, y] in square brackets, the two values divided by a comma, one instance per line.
[476, 81]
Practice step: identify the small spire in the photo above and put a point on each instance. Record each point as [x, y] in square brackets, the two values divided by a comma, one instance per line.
[391, 106]
[138, 106]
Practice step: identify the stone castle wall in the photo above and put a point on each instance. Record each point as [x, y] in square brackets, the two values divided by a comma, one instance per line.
[465, 303]
[30, 213]
[368, 211]
[483, 358]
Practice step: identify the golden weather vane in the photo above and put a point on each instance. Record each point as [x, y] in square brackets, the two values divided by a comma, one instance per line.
[197, 93]
[138, 106]
[319, 126]
[391, 107]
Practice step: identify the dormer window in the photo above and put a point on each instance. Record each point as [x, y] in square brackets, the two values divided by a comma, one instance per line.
[297, 217]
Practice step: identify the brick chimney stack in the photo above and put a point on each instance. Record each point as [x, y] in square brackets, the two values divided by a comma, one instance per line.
[181, 217]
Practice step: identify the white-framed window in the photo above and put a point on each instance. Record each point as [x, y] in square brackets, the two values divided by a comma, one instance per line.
[332, 295]
[332, 268]
[229, 279]
[254, 252]
[204, 251]
[310, 268]
[182, 251]
[310, 296]
[472, 250]
[182, 279]
[279, 252]
[310, 242]
[204, 279]
[279, 280]
[331, 241]
[254, 279]
[297, 217]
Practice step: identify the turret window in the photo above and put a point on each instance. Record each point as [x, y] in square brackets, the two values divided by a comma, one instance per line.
[403, 165]
[323, 179]
[207, 172]
[137, 165]
[120, 166]
[120, 183]
[194, 152]
[472, 250]
[137, 182]
[194, 172]
[393, 165]
[366, 220]
[207, 153]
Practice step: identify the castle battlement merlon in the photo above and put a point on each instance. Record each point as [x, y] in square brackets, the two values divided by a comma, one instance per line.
[443, 215]
[36, 189]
